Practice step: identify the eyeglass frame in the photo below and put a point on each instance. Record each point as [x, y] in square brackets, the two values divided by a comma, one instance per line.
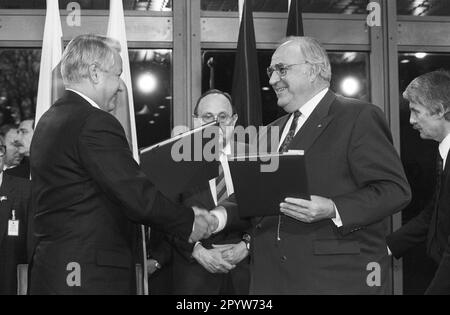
[270, 70]
[215, 118]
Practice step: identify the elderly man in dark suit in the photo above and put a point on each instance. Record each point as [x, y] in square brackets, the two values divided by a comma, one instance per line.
[335, 242]
[429, 102]
[15, 238]
[87, 188]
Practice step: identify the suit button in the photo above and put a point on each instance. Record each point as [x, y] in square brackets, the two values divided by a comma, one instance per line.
[283, 259]
[259, 226]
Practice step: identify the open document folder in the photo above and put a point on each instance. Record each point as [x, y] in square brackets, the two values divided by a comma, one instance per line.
[180, 163]
[258, 191]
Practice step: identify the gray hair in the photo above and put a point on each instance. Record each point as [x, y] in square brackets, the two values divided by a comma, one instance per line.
[82, 52]
[313, 53]
[431, 90]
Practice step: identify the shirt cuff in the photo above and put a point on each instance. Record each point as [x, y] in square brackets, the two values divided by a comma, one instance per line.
[221, 215]
[337, 221]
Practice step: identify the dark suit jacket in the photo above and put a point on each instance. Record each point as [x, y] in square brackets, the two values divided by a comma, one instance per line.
[14, 250]
[22, 170]
[350, 159]
[432, 226]
[87, 190]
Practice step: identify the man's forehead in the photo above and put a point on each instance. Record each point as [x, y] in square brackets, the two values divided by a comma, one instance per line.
[214, 102]
[288, 53]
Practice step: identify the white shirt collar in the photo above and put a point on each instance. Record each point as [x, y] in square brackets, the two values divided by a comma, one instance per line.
[86, 98]
[311, 105]
[444, 147]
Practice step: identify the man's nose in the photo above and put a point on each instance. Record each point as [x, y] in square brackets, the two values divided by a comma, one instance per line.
[274, 78]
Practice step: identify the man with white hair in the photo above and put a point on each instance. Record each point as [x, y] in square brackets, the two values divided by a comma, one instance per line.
[88, 189]
[333, 243]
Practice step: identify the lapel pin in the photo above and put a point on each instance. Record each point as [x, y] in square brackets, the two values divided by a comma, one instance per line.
[319, 126]
[3, 198]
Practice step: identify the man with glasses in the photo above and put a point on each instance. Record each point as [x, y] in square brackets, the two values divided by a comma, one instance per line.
[217, 265]
[333, 243]
[15, 226]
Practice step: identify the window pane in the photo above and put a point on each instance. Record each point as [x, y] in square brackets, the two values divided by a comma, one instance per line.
[151, 72]
[309, 6]
[419, 158]
[146, 5]
[350, 76]
[19, 76]
[423, 7]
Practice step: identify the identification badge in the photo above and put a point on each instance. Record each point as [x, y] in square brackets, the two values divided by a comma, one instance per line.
[13, 225]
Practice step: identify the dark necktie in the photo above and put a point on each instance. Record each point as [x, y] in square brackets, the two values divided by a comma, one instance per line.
[291, 134]
[439, 174]
[221, 187]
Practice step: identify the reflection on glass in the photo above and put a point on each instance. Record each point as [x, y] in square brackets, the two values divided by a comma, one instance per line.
[419, 158]
[309, 6]
[423, 7]
[151, 72]
[350, 76]
[146, 5]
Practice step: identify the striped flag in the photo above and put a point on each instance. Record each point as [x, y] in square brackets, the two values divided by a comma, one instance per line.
[246, 89]
[50, 86]
[295, 20]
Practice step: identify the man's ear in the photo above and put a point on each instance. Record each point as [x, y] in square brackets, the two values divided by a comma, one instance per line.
[94, 73]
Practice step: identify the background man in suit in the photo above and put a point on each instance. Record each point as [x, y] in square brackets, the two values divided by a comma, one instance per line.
[15, 246]
[24, 137]
[217, 265]
[88, 189]
[325, 245]
[429, 102]
[13, 155]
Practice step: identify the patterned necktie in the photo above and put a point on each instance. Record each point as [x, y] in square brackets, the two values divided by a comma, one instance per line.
[291, 134]
[221, 187]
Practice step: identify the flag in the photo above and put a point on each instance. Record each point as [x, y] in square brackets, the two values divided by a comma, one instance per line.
[50, 86]
[124, 112]
[295, 20]
[246, 90]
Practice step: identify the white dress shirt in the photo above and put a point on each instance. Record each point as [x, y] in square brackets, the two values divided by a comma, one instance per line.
[444, 147]
[306, 111]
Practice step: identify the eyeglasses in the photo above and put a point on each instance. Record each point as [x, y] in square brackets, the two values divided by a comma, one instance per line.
[223, 118]
[2, 150]
[281, 69]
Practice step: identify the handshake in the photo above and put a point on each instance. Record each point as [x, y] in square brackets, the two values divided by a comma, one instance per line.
[205, 224]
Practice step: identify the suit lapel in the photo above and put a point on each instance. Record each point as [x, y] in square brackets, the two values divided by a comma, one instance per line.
[315, 125]
[5, 206]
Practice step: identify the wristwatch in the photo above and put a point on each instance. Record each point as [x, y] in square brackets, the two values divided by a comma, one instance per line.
[157, 265]
[246, 238]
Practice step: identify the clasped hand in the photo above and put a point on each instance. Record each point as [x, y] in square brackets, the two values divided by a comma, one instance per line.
[204, 225]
